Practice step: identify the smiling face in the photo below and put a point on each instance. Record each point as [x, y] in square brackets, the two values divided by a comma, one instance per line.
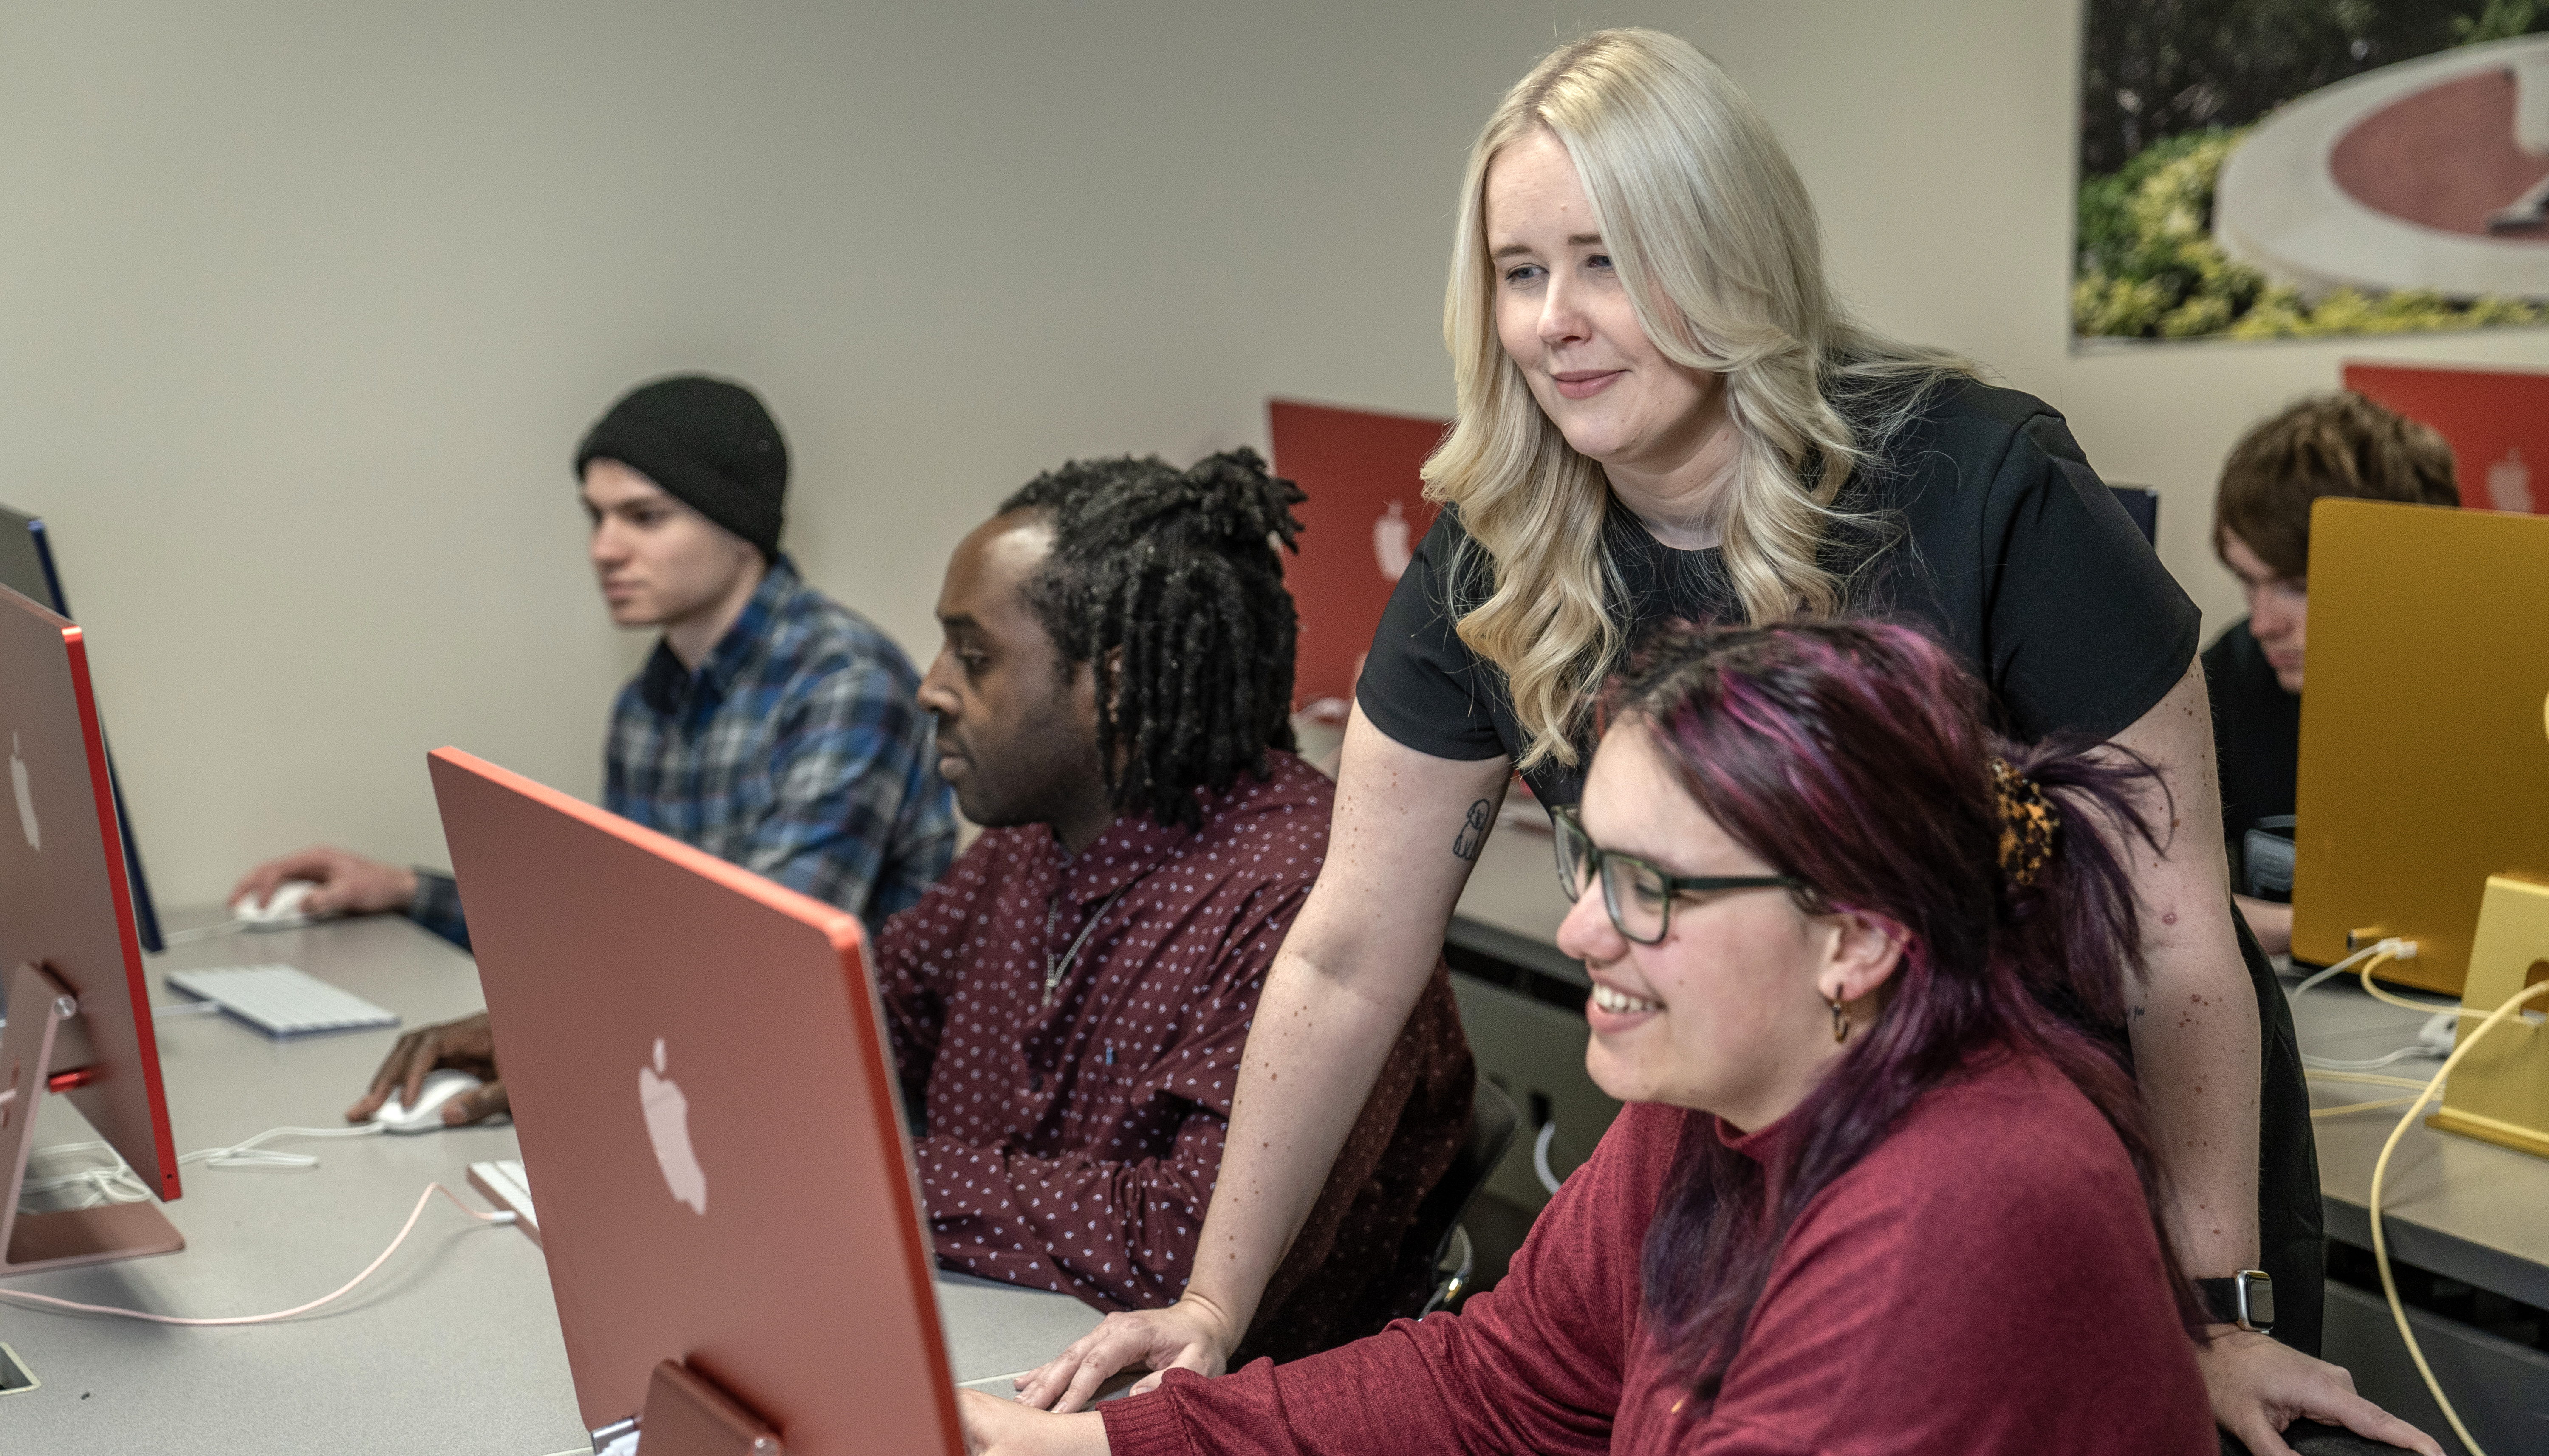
[2278, 609]
[1731, 1013]
[1017, 734]
[1566, 322]
[660, 562]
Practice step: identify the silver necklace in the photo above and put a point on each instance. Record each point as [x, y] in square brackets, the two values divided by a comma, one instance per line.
[1056, 967]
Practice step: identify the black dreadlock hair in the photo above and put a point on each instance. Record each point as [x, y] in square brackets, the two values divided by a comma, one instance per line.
[1177, 572]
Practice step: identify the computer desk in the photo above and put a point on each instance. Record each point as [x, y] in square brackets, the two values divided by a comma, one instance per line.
[453, 1346]
[2468, 1210]
[2452, 1206]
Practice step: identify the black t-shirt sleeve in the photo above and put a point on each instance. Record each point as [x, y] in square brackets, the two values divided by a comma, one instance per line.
[1421, 684]
[2083, 629]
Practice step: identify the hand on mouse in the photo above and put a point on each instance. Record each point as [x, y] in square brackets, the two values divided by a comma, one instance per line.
[345, 884]
[468, 1044]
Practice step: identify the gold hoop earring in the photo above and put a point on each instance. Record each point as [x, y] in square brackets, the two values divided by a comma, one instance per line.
[1841, 1023]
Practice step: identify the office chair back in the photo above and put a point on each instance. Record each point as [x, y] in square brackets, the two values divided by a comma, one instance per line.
[1436, 1228]
[2309, 1438]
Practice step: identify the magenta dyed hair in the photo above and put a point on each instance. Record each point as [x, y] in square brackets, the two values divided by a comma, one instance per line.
[1855, 757]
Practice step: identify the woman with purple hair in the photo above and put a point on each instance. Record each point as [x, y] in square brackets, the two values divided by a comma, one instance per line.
[1870, 1194]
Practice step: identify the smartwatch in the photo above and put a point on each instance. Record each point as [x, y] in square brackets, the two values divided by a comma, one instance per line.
[2245, 1299]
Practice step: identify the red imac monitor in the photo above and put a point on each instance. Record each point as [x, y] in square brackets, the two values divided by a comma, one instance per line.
[67, 930]
[708, 1118]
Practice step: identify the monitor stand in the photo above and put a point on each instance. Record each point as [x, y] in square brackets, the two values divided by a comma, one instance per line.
[38, 1007]
[2501, 1090]
[688, 1414]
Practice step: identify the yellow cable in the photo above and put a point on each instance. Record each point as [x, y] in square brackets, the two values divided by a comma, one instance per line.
[2378, 994]
[2331, 1111]
[2377, 1079]
[2381, 1170]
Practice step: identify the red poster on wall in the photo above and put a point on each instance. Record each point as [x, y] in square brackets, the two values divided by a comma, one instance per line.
[2497, 420]
[1366, 513]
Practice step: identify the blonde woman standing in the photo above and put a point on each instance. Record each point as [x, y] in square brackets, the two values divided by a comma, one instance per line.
[1664, 414]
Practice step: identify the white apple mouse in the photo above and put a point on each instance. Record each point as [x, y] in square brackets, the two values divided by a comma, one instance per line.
[278, 911]
[441, 1086]
[2440, 1033]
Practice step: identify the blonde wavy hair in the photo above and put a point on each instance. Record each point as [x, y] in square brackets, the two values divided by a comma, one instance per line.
[1716, 246]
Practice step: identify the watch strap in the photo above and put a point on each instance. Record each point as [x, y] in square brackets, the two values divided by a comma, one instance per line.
[2245, 1299]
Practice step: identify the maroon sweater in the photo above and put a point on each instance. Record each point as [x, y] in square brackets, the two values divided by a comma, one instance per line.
[1986, 1280]
[1074, 1138]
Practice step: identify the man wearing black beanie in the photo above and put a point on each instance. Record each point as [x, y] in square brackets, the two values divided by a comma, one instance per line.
[772, 727]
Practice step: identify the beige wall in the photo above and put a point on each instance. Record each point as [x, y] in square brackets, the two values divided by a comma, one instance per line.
[304, 306]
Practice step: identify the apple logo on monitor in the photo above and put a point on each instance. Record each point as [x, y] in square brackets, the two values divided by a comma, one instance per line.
[668, 1127]
[26, 801]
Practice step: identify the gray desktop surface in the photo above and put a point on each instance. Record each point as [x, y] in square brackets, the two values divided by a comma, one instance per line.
[453, 1346]
[2456, 1206]
[2453, 1205]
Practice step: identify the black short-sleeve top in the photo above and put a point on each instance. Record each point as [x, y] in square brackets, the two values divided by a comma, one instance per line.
[1993, 532]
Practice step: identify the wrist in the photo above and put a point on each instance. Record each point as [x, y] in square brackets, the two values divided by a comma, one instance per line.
[2243, 1301]
[1216, 1314]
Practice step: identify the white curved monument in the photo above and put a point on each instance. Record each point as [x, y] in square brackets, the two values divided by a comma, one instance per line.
[2431, 174]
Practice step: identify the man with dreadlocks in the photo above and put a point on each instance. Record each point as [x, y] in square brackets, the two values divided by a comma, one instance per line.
[1069, 1003]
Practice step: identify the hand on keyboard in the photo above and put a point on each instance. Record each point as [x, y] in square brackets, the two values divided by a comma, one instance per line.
[467, 1044]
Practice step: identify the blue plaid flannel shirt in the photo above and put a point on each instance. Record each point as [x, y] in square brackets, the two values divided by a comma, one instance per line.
[797, 749]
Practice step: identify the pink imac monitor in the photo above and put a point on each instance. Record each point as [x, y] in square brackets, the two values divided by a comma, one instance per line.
[65, 909]
[708, 1121]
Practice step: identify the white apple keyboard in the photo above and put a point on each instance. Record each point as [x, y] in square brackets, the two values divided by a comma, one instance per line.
[508, 1186]
[282, 1000]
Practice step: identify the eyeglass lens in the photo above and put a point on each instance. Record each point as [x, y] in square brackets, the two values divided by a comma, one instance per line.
[1633, 892]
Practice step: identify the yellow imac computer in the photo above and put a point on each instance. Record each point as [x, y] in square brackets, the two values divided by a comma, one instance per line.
[2425, 776]
[2424, 729]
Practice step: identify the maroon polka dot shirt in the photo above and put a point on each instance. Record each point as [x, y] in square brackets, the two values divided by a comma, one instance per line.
[1073, 1137]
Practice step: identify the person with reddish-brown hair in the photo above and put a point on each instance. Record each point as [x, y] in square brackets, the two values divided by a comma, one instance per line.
[1871, 1194]
[2332, 444]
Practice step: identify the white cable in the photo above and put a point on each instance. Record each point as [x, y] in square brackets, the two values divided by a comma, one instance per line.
[422, 1199]
[105, 1184]
[120, 1184]
[1549, 1178]
[2391, 942]
[2381, 1171]
[2411, 1083]
[201, 933]
[2353, 1107]
[2369, 1064]
[2390, 947]
[253, 1153]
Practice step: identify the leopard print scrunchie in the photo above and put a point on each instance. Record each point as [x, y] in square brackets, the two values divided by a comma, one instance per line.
[2027, 825]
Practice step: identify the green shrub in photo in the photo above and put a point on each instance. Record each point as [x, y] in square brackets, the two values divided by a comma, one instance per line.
[2148, 266]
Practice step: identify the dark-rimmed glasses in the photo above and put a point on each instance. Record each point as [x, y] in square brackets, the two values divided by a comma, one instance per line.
[1638, 895]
